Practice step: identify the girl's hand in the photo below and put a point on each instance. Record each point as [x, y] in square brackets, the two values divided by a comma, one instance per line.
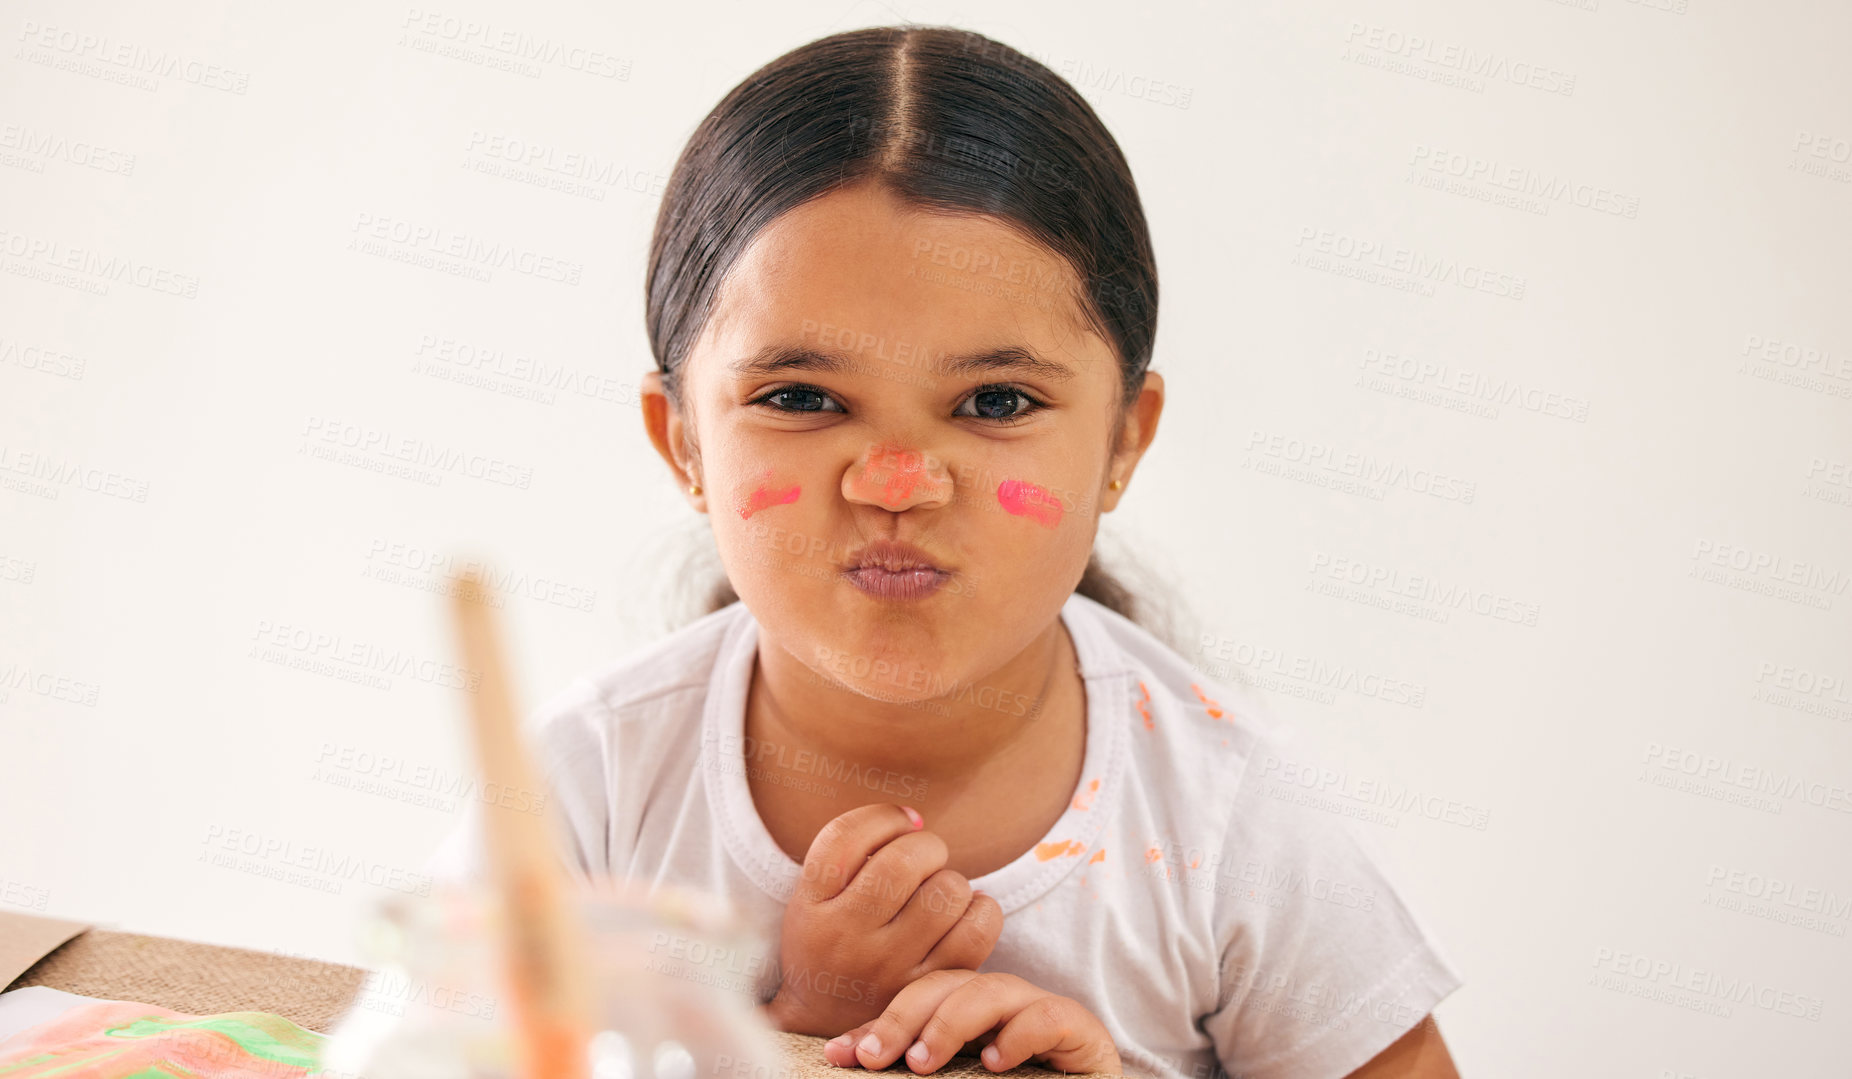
[951, 1011]
[874, 909]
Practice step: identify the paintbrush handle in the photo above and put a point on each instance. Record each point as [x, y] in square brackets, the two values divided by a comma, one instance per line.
[543, 943]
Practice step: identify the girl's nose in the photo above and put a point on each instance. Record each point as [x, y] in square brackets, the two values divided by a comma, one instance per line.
[897, 478]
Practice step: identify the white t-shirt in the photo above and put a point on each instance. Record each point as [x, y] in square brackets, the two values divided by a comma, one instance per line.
[1191, 896]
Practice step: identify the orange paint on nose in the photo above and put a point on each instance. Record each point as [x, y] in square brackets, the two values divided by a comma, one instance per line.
[766, 495]
[896, 470]
[1066, 848]
[1025, 499]
[1144, 705]
[1214, 707]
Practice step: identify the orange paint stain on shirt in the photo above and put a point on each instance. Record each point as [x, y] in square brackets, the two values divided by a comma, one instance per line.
[1153, 855]
[1085, 800]
[1025, 499]
[1098, 856]
[1214, 707]
[1063, 849]
[766, 495]
[1144, 705]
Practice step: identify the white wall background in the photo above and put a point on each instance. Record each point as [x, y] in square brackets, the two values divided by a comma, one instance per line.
[1653, 723]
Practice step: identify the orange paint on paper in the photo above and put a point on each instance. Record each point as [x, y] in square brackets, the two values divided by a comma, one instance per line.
[1144, 705]
[896, 470]
[1098, 856]
[1066, 848]
[1085, 801]
[1025, 499]
[1214, 707]
[766, 495]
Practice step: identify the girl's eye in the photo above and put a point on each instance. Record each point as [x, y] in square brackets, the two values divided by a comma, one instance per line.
[995, 403]
[807, 399]
[1000, 404]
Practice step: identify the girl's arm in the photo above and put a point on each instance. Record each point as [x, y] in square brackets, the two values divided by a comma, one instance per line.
[1419, 1054]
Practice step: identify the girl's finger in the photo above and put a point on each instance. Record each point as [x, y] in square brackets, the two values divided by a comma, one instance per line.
[974, 934]
[843, 1050]
[881, 1040]
[969, 1012]
[1059, 1032]
[840, 1050]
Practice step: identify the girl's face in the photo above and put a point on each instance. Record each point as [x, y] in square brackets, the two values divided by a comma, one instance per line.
[872, 372]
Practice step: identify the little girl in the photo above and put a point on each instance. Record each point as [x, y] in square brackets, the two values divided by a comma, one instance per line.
[902, 298]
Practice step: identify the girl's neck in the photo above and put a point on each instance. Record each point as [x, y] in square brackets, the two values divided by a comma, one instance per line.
[997, 764]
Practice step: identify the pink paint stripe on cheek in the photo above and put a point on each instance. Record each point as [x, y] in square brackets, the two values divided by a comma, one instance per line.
[765, 495]
[1025, 499]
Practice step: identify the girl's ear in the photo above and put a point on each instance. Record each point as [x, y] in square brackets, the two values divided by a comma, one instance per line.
[662, 421]
[1139, 427]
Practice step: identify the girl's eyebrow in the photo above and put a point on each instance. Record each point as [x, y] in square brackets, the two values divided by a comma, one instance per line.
[773, 359]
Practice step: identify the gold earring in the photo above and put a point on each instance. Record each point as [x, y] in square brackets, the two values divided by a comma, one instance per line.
[1115, 485]
[694, 488]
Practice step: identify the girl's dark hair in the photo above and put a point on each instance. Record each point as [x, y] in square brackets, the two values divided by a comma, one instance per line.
[949, 120]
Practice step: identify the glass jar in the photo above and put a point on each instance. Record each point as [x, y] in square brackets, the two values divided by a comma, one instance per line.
[673, 981]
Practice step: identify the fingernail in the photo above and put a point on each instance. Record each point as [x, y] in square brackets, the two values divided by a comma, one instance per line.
[870, 1045]
[840, 1039]
[918, 1053]
[990, 1055]
[914, 816]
